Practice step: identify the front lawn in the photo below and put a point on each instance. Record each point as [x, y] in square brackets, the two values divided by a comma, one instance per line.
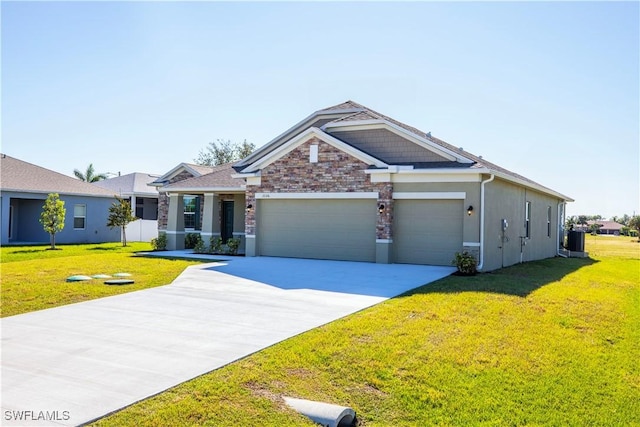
[553, 342]
[34, 278]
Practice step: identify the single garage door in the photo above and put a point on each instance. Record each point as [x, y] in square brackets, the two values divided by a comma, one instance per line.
[336, 229]
[427, 231]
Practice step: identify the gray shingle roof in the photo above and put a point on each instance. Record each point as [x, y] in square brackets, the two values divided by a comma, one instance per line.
[130, 184]
[18, 175]
[220, 177]
[367, 113]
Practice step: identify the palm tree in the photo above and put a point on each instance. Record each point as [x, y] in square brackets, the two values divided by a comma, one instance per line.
[90, 175]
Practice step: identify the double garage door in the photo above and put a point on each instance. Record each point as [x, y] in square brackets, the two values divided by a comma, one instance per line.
[339, 229]
[425, 231]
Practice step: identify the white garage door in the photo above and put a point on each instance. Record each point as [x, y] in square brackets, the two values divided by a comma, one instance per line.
[336, 229]
[427, 231]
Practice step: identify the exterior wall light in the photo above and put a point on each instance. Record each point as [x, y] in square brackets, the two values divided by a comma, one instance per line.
[249, 208]
[469, 210]
[380, 208]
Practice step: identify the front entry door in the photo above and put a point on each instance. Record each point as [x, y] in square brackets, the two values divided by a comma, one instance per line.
[227, 220]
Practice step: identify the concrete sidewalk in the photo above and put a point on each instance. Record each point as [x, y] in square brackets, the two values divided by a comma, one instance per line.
[70, 365]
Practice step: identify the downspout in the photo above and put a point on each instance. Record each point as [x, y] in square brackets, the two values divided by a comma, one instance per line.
[481, 264]
[561, 227]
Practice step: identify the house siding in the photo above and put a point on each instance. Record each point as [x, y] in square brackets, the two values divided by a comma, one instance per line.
[505, 200]
[26, 215]
[386, 145]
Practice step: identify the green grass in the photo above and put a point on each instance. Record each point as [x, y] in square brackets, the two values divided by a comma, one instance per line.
[34, 278]
[553, 342]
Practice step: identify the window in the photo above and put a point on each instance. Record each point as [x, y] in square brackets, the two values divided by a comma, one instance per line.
[527, 220]
[548, 221]
[79, 217]
[191, 207]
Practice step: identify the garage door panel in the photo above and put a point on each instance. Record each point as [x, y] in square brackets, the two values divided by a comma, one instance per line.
[323, 229]
[427, 231]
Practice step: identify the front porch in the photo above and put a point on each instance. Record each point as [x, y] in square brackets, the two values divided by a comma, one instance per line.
[208, 214]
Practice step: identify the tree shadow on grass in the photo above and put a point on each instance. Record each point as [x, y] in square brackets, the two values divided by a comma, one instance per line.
[29, 251]
[98, 248]
[519, 280]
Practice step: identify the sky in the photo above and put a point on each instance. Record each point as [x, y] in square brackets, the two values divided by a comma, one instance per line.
[549, 90]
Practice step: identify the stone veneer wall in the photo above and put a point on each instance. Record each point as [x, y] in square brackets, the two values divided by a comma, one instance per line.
[335, 171]
[163, 201]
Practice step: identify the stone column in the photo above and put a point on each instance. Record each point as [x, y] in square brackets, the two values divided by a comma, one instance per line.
[384, 225]
[250, 221]
[175, 223]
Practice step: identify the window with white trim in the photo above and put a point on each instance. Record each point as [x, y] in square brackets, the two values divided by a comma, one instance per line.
[527, 220]
[79, 217]
[190, 212]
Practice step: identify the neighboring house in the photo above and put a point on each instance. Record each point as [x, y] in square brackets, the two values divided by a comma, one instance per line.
[25, 187]
[606, 227]
[348, 183]
[135, 187]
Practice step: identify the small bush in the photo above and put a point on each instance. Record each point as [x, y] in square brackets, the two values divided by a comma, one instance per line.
[199, 247]
[465, 262]
[191, 240]
[233, 245]
[159, 243]
[215, 244]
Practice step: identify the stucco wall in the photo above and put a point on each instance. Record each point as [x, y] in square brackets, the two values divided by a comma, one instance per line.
[507, 201]
[27, 228]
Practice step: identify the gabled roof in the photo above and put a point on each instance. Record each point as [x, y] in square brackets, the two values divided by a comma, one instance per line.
[351, 116]
[607, 225]
[133, 184]
[195, 170]
[219, 179]
[20, 176]
[304, 136]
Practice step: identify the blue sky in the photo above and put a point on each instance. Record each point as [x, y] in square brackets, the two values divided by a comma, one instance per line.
[549, 90]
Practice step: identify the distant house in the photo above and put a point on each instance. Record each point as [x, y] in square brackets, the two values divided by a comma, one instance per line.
[144, 202]
[348, 183]
[606, 227]
[24, 188]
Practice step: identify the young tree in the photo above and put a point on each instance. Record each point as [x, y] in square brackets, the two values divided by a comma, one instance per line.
[120, 216]
[221, 152]
[634, 222]
[52, 216]
[90, 175]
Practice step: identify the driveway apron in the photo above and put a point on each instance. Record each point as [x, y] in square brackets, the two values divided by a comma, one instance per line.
[73, 364]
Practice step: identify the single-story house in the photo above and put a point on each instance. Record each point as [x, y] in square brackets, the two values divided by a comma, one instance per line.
[135, 187]
[348, 183]
[606, 227]
[24, 188]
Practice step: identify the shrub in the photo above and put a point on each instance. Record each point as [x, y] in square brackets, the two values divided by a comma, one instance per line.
[466, 263]
[159, 243]
[215, 244]
[200, 248]
[233, 245]
[191, 240]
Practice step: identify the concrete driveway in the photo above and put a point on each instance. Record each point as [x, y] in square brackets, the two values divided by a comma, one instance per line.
[70, 365]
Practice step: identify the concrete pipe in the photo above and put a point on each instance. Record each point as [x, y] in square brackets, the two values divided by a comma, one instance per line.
[322, 413]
